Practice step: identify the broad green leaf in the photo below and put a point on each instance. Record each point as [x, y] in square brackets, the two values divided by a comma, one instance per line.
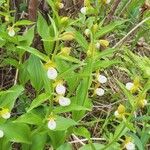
[69, 108]
[81, 40]
[35, 73]
[16, 132]
[38, 101]
[23, 23]
[82, 131]
[30, 118]
[34, 52]
[64, 123]
[38, 141]
[90, 147]
[8, 100]
[29, 36]
[109, 28]
[65, 146]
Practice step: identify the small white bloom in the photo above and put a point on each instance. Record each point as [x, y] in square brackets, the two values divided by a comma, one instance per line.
[61, 5]
[64, 101]
[129, 85]
[145, 102]
[60, 89]
[11, 31]
[116, 113]
[52, 124]
[87, 32]
[1, 133]
[83, 10]
[99, 91]
[130, 146]
[6, 115]
[102, 79]
[108, 1]
[52, 73]
[97, 45]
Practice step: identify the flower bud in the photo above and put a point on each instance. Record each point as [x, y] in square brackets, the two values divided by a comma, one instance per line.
[67, 36]
[6, 18]
[63, 20]
[99, 92]
[60, 89]
[101, 79]
[1, 133]
[104, 43]
[64, 101]
[65, 50]
[52, 124]
[121, 109]
[11, 31]
[52, 73]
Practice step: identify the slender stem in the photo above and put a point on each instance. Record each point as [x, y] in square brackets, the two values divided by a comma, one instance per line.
[129, 33]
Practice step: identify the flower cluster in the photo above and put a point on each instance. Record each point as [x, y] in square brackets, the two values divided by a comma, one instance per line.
[4, 113]
[134, 87]
[101, 79]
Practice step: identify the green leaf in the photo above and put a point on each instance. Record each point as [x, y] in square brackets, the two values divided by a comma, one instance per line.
[16, 132]
[81, 40]
[23, 23]
[89, 147]
[38, 101]
[8, 99]
[29, 36]
[82, 131]
[109, 28]
[65, 146]
[38, 141]
[69, 108]
[34, 52]
[64, 123]
[30, 118]
[35, 73]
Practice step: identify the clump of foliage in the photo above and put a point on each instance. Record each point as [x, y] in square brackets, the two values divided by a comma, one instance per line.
[84, 86]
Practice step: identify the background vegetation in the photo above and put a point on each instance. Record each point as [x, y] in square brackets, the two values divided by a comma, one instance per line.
[74, 74]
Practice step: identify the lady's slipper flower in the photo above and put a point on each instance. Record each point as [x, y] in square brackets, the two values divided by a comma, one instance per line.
[51, 124]
[130, 146]
[120, 112]
[60, 5]
[99, 92]
[101, 79]
[129, 86]
[5, 113]
[64, 101]
[11, 31]
[87, 32]
[60, 89]
[52, 73]
[1, 133]
[97, 45]
[83, 10]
